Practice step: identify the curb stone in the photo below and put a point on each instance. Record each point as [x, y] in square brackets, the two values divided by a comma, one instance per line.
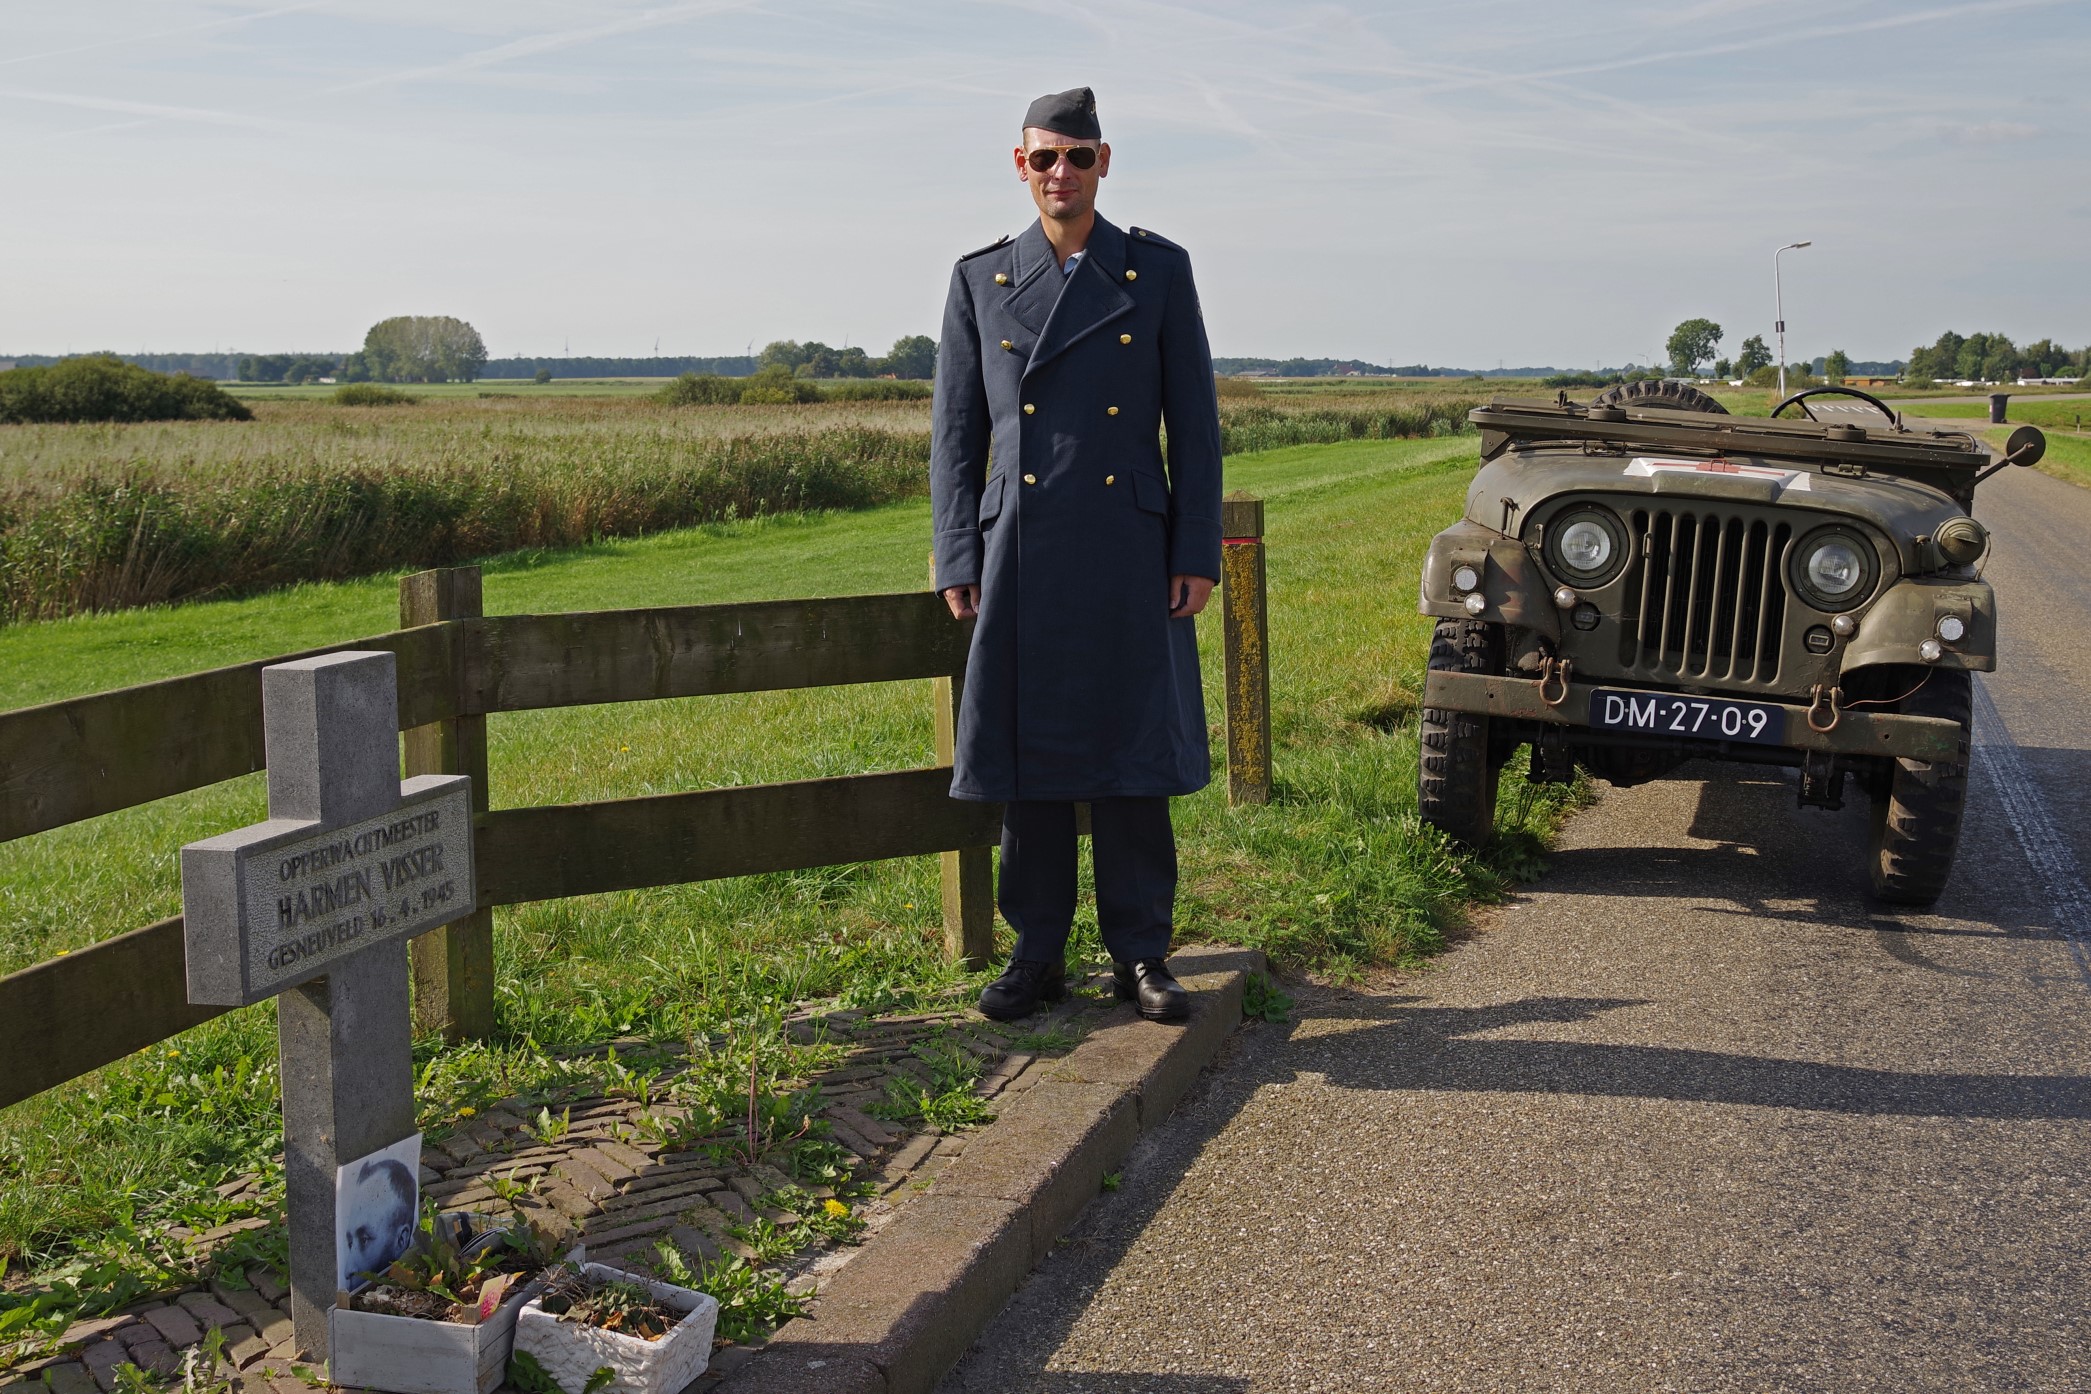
[903, 1311]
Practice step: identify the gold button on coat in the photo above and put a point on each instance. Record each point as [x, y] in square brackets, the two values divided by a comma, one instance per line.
[1006, 344]
[1125, 338]
[1030, 479]
[1001, 278]
[1132, 275]
[1110, 479]
[1028, 408]
[1110, 411]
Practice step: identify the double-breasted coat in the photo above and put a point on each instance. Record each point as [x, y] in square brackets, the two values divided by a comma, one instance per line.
[1050, 491]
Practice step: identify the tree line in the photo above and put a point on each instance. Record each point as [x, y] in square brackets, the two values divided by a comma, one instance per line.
[1994, 358]
[912, 356]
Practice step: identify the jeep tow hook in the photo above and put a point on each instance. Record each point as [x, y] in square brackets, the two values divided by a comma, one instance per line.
[1824, 699]
[1554, 671]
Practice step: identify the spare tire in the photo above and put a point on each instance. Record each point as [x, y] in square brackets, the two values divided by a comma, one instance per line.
[1657, 392]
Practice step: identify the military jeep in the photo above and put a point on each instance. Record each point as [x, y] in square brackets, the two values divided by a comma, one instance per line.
[1643, 580]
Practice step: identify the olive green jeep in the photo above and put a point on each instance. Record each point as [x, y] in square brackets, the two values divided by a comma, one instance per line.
[1644, 580]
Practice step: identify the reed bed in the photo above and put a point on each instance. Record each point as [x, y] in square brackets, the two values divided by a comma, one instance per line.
[107, 517]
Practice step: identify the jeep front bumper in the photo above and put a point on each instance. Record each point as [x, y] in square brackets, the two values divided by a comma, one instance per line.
[1853, 733]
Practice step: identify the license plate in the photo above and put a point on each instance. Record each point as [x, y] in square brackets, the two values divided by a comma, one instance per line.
[1667, 714]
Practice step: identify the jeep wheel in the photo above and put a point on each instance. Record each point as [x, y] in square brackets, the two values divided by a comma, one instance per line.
[1916, 818]
[1672, 396]
[1456, 781]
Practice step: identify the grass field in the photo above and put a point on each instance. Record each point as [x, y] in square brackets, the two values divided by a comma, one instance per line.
[1336, 874]
[2068, 414]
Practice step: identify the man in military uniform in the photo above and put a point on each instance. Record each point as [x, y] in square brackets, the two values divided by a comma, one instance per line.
[1084, 557]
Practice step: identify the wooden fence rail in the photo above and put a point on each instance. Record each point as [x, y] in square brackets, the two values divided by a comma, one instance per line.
[68, 761]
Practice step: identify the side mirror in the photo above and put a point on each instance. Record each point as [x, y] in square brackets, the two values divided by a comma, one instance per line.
[2025, 446]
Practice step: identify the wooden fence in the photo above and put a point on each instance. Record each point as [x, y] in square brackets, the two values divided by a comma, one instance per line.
[68, 761]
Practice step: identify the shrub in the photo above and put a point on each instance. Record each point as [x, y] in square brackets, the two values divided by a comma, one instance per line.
[102, 387]
[1235, 387]
[701, 390]
[370, 394]
[877, 390]
[775, 385]
[1581, 380]
[544, 375]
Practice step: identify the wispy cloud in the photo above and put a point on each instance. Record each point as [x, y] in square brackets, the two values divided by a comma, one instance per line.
[536, 45]
[158, 110]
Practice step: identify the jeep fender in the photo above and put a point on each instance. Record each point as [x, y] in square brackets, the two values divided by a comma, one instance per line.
[1909, 613]
[1511, 583]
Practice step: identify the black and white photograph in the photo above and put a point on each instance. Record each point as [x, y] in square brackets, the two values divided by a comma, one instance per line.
[376, 1199]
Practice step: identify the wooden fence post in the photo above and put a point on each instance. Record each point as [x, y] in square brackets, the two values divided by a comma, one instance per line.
[1245, 615]
[968, 873]
[453, 965]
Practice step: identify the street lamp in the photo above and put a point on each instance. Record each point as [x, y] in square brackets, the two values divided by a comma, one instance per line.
[1779, 302]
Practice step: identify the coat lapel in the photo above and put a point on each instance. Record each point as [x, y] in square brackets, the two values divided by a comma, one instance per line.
[1091, 298]
[1034, 281]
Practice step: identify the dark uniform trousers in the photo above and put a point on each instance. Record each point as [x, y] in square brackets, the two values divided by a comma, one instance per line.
[1133, 852]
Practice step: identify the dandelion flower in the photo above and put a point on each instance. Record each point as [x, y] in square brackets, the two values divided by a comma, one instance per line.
[834, 1207]
[467, 1112]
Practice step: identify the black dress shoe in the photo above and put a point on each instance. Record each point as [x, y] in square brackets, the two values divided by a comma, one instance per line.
[1148, 982]
[1022, 986]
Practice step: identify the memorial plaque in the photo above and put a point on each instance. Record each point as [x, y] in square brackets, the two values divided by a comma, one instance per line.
[270, 906]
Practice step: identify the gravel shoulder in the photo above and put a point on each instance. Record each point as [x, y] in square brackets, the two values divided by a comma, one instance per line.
[1689, 1114]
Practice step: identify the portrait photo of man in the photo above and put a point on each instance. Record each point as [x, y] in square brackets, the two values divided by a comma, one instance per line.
[1082, 551]
[376, 1201]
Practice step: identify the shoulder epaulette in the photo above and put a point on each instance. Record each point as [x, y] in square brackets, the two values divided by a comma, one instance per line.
[1152, 238]
[988, 248]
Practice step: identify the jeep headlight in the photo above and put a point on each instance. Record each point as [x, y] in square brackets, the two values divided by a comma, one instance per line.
[1586, 545]
[1834, 569]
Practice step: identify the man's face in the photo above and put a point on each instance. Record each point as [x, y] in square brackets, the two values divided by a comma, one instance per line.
[376, 1228]
[1061, 192]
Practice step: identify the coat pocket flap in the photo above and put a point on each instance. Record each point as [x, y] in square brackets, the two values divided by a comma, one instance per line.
[1151, 494]
[991, 499]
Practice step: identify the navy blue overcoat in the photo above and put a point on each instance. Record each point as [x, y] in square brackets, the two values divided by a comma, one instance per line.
[1049, 490]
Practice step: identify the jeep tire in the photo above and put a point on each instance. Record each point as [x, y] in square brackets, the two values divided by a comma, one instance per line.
[1657, 392]
[1916, 810]
[1456, 778]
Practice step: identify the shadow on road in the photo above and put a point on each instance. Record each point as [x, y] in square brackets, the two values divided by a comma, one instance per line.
[1775, 860]
[1435, 1048]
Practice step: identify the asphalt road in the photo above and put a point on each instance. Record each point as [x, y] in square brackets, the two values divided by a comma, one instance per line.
[1691, 1114]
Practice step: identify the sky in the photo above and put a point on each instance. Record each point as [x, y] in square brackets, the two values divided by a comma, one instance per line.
[1461, 183]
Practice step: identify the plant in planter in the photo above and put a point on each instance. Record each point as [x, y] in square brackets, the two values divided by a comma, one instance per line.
[441, 1320]
[595, 1330]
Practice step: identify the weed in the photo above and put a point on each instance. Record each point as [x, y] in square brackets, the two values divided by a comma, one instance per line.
[548, 1129]
[1264, 1000]
[614, 1304]
[947, 1101]
[752, 1302]
[1113, 1180]
[769, 1240]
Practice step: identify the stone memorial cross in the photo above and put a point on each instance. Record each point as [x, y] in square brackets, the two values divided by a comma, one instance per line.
[311, 907]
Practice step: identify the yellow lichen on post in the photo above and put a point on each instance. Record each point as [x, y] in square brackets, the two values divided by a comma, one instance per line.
[1245, 629]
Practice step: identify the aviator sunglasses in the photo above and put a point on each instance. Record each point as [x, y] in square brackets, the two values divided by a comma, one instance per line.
[1046, 156]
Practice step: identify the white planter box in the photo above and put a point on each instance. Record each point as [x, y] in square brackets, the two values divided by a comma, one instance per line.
[411, 1355]
[571, 1351]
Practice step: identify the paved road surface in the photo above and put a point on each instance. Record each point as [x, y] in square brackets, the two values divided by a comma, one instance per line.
[1690, 1115]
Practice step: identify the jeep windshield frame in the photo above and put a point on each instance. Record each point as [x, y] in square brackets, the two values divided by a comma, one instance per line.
[1948, 461]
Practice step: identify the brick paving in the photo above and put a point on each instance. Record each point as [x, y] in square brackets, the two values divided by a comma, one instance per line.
[609, 1180]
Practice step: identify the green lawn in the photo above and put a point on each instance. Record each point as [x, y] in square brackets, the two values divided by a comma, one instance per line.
[1336, 873]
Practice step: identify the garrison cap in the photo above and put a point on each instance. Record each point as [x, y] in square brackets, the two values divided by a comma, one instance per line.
[1071, 113]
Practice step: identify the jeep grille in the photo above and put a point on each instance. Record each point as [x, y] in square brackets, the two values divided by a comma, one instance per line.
[1706, 600]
